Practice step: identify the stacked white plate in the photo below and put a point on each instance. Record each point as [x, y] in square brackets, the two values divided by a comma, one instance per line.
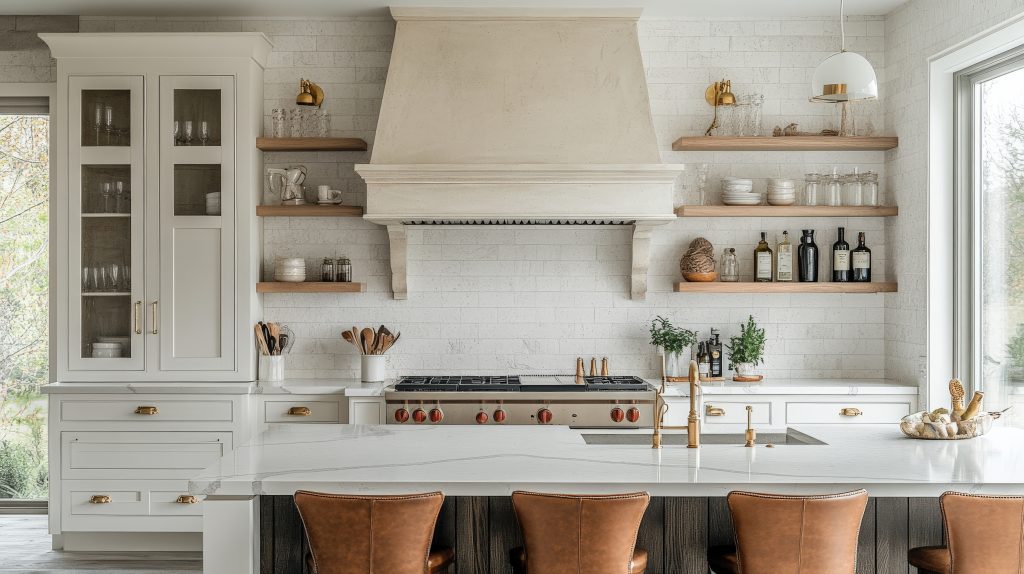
[736, 191]
[213, 203]
[781, 192]
[290, 269]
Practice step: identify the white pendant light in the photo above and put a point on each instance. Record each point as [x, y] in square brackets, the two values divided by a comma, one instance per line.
[844, 76]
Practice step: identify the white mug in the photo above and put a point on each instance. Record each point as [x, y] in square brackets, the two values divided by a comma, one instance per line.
[325, 193]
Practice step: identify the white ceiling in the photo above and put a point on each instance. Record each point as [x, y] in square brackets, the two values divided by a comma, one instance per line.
[652, 8]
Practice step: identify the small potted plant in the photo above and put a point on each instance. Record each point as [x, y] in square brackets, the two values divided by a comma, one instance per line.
[1015, 351]
[676, 343]
[747, 350]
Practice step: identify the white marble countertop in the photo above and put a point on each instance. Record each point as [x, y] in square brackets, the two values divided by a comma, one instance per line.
[152, 388]
[494, 461]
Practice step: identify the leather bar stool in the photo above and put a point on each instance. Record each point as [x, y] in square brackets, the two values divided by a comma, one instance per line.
[777, 534]
[567, 534]
[985, 534]
[371, 534]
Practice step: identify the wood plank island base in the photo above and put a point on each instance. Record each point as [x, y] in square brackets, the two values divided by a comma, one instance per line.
[250, 525]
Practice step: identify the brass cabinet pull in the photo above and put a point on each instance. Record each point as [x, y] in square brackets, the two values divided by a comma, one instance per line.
[712, 411]
[154, 331]
[300, 411]
[138, 316]
[851, 412]
[187, 499]
[146, 410]
[99, 499]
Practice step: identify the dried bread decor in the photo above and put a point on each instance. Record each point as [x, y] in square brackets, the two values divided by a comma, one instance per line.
[698, 263]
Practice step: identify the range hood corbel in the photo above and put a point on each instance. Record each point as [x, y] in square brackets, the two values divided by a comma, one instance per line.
[517, 116]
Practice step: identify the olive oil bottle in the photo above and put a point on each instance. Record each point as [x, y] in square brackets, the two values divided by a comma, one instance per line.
[763, 260]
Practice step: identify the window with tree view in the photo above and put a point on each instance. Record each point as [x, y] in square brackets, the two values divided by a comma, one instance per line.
[24, 304]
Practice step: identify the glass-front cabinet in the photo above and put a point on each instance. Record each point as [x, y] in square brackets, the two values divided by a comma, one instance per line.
[106, 157]
[197, 262]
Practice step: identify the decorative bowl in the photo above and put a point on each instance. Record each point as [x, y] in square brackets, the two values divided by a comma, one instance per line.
[701, 277]
[915, 426]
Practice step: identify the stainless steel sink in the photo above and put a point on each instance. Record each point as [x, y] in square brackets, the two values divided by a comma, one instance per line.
[790, 437]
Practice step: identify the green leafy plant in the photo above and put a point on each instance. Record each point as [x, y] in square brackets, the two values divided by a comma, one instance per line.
[748, 347]
[669, 337]
[1016, 348]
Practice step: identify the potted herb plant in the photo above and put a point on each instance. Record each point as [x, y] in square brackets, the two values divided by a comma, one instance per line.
[747, 350]
[675, 342]
[1015, 350]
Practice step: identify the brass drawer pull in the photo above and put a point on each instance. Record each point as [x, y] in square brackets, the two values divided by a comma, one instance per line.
[300, 411]
[851, 412]
[99, 499]
[138, 313]
[187, 499]
[146, 410]
[712, 411]
[155, 330]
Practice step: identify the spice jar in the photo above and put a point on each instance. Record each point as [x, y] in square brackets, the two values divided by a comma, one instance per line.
[730, 266]
[869, 185]
[344, 266]
[327, 273]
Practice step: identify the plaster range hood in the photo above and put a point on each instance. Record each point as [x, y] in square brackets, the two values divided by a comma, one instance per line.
[517, 116]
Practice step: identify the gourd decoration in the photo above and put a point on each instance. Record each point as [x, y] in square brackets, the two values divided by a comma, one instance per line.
[698, 262]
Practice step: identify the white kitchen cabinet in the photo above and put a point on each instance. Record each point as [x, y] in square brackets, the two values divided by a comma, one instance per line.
[302, 409]
[155, 232]
[366, 410]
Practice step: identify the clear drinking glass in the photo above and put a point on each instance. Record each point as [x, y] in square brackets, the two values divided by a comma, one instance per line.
[812, 188]
[277, 123]
[869, 184]
[702, 182]
[755, 116]
[177, 132]
[114, 277]
[323, 123]
[295, 123]
[85, 278]
[730, 265]
[187, 136]
[204, 132]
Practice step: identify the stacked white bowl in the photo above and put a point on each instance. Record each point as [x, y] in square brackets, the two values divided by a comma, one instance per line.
[737, 191]
[290, 269]
[213, 203]
[781, 192]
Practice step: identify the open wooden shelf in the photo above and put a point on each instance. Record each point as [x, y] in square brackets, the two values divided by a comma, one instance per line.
[309, 287]
[309, 211]
[783, 211]
[784, 143]
[752, 287]
[310, 144]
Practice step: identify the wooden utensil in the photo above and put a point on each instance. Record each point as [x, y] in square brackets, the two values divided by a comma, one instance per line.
[258, 328]
[347, 335]
[367, 336]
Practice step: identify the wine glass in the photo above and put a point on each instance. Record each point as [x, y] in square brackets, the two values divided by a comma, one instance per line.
[106, 190]
[177, 132]
[114, 277]
[108, 124]
[204, 132]
[120, 197]
[97, 122]
[188, 132]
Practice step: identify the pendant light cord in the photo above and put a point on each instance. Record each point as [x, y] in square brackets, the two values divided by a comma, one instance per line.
[842, 26]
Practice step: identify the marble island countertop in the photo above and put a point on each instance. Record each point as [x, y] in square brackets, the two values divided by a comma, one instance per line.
[494, 461]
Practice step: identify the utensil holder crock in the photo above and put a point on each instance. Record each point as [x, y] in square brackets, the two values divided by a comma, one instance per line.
[272, 369]
[373, 367]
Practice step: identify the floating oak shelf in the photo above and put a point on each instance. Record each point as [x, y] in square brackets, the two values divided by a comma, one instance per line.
[784, 143]
[310, 144]
[752, 287]
[309, 287]
[783, 211]
[309, 211]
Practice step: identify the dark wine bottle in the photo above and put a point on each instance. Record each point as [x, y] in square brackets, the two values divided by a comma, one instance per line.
[807, 258]
[861, 257]
[841, 259]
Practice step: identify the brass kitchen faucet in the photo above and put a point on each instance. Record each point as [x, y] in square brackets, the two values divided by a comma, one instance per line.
[661, 407]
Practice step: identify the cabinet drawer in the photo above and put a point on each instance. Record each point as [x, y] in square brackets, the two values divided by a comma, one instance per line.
[137, 410]
[127, 505]
[140, 454]
[833, 412]
[736, 413]
[294, 411]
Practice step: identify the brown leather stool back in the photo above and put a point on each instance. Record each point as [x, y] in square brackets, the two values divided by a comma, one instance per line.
[571, 534]
[778, 534]
[986, 533]
[369, 534]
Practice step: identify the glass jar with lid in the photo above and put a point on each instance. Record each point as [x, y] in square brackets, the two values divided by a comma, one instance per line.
[869, 185]
[730, 266]
[812, 189]
[344, 267]
[834, 189]
[853, 193]
[327, 272]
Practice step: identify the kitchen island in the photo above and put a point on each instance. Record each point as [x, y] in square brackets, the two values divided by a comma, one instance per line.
[248, 491]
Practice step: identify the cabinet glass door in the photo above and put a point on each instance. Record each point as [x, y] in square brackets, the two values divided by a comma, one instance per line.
[105, 225]
[197, 249]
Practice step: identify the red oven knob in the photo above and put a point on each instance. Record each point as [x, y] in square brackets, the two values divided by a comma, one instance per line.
[481, 418]
[617, 415]
[401, 415]
[499, 416]
[544, 416]
[633, 415]
[436, 415]
[419, 415]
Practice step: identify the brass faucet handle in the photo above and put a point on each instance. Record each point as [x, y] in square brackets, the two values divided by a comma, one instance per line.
[751, 434]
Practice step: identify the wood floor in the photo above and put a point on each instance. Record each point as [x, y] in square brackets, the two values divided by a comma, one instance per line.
[25, 549]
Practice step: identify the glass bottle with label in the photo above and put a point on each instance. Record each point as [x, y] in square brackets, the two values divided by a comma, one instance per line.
[807, 258]
[716, 353]
[730, 266]
[784, 259]
[703, 361]
[861, 257]
[763, 260]
[841, 258]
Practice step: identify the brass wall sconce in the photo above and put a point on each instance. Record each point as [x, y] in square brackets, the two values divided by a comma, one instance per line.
[310, 94]
[719, 94]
